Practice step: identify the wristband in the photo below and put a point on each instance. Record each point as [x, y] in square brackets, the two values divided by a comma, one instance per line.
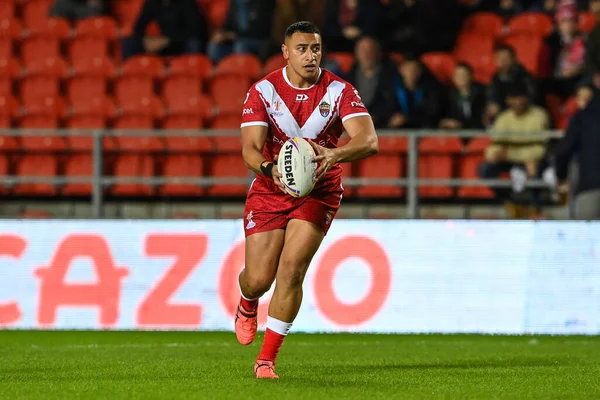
[267, 170]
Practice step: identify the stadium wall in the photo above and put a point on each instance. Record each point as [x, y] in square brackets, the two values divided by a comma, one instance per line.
[369, 276]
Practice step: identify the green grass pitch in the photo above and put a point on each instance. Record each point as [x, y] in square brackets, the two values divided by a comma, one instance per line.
[188, 365]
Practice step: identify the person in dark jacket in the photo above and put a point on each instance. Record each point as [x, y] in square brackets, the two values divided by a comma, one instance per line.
[582, 139]
[348, 20]
[372, 75]
[592, 60]
[465, 102]
[182, 27]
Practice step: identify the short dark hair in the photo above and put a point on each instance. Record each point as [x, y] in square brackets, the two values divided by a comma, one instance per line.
[506, 47]
[302, 27]
[517, 89]
[466, 66]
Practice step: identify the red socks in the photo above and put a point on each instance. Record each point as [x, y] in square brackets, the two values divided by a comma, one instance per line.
[249, 305]
[271, 345]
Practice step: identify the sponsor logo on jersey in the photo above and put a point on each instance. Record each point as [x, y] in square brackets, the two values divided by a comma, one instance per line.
[301, 97]
[357, 104]
[287, 165]
[324, 108]
[247, 111]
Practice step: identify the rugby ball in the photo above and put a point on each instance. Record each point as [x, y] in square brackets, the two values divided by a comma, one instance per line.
[296, 166]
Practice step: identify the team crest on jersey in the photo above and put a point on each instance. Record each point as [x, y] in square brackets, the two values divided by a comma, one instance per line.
[324, 108]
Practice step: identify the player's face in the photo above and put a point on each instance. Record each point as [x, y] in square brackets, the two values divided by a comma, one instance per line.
[303, 52]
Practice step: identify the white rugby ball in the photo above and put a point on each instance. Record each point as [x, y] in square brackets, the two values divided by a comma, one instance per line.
[296, 166]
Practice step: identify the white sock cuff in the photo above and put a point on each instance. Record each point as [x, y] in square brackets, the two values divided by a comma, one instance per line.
[240, 288]
[278, 326]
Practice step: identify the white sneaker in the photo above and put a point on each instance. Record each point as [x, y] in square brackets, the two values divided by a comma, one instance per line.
[519, 178]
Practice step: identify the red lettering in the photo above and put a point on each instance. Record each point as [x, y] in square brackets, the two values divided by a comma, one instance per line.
[11, 246]
[188, 250]
[375, 257]
[229, 289]
[104, 294]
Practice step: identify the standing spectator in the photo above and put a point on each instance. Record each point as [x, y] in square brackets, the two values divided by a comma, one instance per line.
[582, 138]
[416, 99]
[512, 153]
[347, 20]
[547, 7]
[182, 27]
[74, 10]
[509, 72]
[465, 102]
[509, 8]
[372, 75]
[289, 11]
[562, 59]
[592, 62]
[247, 29]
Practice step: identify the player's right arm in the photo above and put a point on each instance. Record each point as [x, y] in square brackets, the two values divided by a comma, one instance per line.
[255, 127]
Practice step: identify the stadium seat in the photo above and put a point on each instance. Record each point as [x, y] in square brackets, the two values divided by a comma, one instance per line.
[188, 144]
[227, 121]
[86, 122]
[345, 60]
[149, 106]
[468, 169]
[229, 92]
[274, 62]
[477, 51]
[8, 144]
[531, 23]
[230, 144]
[4, 171]
[485, 24]
[9, 109]
[7, 9]
[36, 86]
[9, 70]
[224, 165]
[35, 13]
[39, 48]
[57, 28]
[441, 66]
[51, 105]
[94, 66]
[6, 48]
[140, 144]
[382, 166]
[134, 87]
[191, 65]
[83, 141]
[198, 106]
[247, 65]
[436, 161]
[10, 28]
[80, 89]
[528, 49]
[51, 66]
[126, 11]
[134, 122]
[130, 165]
[143, 66]
[38, 122]
[78, 165]
[217, 13]
[176, 91]
[182, 122]
[182, 165]
[40, 165]
[101, 27]
[587, 22]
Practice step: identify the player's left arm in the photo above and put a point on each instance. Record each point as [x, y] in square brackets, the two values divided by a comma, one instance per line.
[359, 126]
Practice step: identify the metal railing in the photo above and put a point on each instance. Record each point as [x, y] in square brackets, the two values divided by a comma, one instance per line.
[412, 182]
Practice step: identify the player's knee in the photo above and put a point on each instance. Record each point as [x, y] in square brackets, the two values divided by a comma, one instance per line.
[292, 274]
[259, 284]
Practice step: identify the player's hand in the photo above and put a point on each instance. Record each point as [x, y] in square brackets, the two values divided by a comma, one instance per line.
[325, 157]
[277, 177]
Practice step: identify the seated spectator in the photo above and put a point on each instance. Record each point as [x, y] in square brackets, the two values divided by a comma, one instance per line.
[348, 20]
[509, 8]
[547, 7]
[592, 61]
[509, 72]
[563, 57]
[372, 75]
[74, 10]
[182, 27]
[416, 99]
[289, 11]
[584, 93]
[247, 29]
[513, 150]
[465, 102]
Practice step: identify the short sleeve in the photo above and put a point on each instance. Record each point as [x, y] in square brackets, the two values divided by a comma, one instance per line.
[351, 104]
[254, 111]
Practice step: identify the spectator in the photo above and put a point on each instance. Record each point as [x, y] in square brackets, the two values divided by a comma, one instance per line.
[372, 75]
[509, 72]
[347, 20]
[592, 62]
[547, 7]
[74, 10]
[247, 29]
[562, 59]
[582, 138]
[181, 25]
[509, 8]
[465, 102]
[509, 154]
[584, 94]
[289, 11]
[594, 7]
[416, 99]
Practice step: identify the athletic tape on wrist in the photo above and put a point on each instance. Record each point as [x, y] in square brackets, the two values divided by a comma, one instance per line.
[267, 170]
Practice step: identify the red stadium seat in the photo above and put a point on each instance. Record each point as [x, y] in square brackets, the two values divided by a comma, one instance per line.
[149, 66]
[101, 27]
[477, 51]
[528, 49]
[9, 70]
[10, 28]
[485, 24]
[182, 122]
[228, 121]
[177, 91]
[83, 141]
[132, 88]
[40, 166]
[84, 50]
[126, 11]
[79, 165]
[35, 13]
[38, 122]
[4, 171]
[134, 122]
[469, 165]
[82, 88]
[96, 66]
[7, 9]
[228, 166]
[39, 48]
[193, 65]
[229, 92]
[6, 48]
[531, 23]
[52, 66]
[45, 105]
[274, 62]
[57, 28]
[247, 65]
[9, 109]
[382, 166]
[587, 22]
[436, 161]
[188, 144]
[37, 86]
[133, 166]
[217, 13]
[8, 143]
[345, 60]
[441, 66]
[86, 122]
[182, 165]
[227, 144]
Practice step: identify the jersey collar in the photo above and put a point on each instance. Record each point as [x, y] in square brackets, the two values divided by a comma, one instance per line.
[290, 83]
